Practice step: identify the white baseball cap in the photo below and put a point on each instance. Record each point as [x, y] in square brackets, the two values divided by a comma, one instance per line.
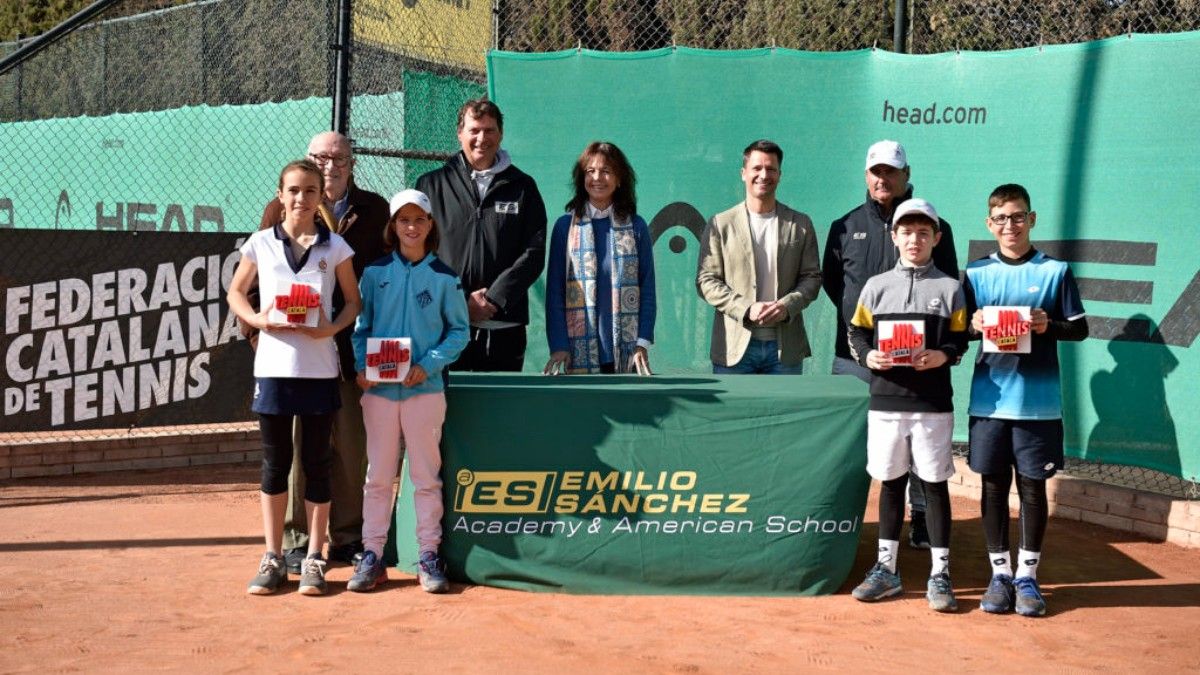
[887, 152]
[406, 197]
[918, 207]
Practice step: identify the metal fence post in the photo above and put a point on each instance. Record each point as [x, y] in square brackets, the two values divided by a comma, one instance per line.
[341, 82]
[900, 29]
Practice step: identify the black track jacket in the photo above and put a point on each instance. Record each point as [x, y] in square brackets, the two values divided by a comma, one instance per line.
[498, 242]
[859, 247]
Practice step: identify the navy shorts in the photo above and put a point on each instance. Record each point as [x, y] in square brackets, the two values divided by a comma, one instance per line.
[296, 396]
[1035, 447]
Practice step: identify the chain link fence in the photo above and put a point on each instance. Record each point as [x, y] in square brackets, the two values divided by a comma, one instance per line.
[429, 57]
[176, 116]
[137, 123]
[829, 25]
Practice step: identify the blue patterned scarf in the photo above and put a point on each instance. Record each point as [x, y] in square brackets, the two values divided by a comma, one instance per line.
[582, 317]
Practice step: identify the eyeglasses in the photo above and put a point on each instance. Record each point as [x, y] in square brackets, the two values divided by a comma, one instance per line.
[340, 161]
[1003, 219]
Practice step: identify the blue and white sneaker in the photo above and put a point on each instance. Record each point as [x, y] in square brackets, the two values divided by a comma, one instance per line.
[431, 573]
[998, 598]
[940, 593]
[1029, 597]
[880, 583]
[369, 572]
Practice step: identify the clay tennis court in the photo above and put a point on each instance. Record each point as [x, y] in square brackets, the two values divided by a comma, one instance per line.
[145, 571]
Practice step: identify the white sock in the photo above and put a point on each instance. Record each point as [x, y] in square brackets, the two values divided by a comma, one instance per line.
[1001, 563]
[888, 549]
[1027, 563]
[941, 561]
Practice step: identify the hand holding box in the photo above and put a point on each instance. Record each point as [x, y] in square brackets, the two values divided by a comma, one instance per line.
[901, 340]
[388, 359]
[1006, 330]
[296, 304]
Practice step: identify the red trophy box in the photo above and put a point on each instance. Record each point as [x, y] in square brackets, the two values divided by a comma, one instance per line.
[388, 359]
[901, 340]
[1006, 330]
[296, 303]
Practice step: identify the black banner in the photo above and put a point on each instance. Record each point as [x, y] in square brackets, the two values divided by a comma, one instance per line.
[120, 329]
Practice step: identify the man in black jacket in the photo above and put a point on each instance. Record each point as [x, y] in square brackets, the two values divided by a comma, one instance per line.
[859, 247]
[360, 216]
[492, 223]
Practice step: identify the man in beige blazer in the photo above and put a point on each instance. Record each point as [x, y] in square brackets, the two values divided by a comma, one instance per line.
[759, 267]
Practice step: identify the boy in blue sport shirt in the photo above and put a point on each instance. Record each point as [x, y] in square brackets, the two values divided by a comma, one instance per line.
[1016, 398]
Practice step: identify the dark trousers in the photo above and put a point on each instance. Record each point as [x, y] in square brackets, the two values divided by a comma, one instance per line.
[314, 453]
[501, 350]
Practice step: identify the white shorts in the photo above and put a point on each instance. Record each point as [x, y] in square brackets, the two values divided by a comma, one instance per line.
[898, 441]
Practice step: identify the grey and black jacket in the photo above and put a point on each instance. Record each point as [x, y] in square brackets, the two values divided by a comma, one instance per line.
[906, 294]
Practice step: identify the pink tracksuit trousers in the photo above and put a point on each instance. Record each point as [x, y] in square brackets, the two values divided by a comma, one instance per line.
[418, 421]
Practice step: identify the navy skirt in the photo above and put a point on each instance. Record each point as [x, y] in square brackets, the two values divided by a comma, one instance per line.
[295, 396]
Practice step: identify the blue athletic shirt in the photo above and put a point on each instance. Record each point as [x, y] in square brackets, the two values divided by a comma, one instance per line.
[1021, 386]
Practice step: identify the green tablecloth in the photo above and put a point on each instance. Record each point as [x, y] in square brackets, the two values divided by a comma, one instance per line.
[617, 484]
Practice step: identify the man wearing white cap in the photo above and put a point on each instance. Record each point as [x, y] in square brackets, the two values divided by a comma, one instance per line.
[360, 217]
[859, 247]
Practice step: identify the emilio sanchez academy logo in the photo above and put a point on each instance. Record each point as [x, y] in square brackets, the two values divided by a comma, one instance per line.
[570, 503]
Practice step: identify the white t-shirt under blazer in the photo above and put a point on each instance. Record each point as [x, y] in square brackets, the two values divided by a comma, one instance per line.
[285, 353]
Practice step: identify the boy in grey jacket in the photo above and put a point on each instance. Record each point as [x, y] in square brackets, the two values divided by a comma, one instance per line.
[908, 328]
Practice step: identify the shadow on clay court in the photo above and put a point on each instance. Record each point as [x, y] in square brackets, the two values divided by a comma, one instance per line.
[1078, 571]
[1070, 597]
[213, 474]
[13, 502]
[116, 544]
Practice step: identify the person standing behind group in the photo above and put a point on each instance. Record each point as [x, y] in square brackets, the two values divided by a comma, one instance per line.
[600, 299]
[493, 235]
[1016, 399]
[858, 247]
[359, 216]
[295, 366]
[412, 294]
[758, 268]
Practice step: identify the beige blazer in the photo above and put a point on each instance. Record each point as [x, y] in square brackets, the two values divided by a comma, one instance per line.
[725, 279]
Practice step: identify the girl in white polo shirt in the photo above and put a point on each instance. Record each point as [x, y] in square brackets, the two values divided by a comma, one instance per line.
[295, 366]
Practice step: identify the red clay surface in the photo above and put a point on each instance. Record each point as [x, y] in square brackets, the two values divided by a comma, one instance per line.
[146, 571]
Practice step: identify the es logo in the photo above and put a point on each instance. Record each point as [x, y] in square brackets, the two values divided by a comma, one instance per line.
[503, 491]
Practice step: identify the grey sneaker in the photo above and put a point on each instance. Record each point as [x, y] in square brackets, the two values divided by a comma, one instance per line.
[312, 575]
[294, 557]
[368, 572]
[879, 584]
[1029, 597]
[940, 593]
[271, 573]
[430, 573]
[998, 598]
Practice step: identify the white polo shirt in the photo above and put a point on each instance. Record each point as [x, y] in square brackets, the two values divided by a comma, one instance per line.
[285, 353]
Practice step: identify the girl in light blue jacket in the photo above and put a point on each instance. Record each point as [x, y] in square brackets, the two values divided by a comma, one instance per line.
[407, 294]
